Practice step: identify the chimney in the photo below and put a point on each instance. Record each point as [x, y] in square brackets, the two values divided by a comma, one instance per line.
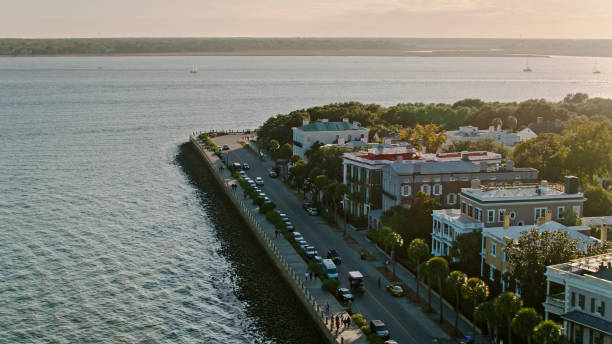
[604, 233]
[345, 120]
[548, 217]
[305, 122]
[475, 184]
[506, 220]
[324, 120]
[509, 165]
[571, 185]
[544, 183]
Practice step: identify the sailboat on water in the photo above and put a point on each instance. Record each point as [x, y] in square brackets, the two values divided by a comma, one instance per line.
[595, 69]
[193, 70]
[527, 69]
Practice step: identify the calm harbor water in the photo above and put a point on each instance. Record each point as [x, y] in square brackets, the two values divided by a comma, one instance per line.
[110, 233]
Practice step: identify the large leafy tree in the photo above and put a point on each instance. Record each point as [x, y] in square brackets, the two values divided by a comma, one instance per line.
[454, 282]
[475, 290]
[548, 332]
[545, 153]
[285, 152]
[299, 172]
[413, 222]
[589, 146]
[437, 269]
[506, 306]
[599, 201]
[529, 256]
[430, 136]
[418, 251]
[466, 248]
[524, 323]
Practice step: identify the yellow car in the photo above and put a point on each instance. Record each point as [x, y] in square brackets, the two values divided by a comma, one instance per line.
[396, 290]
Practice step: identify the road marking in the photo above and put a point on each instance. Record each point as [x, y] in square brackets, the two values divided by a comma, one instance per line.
[391, 314]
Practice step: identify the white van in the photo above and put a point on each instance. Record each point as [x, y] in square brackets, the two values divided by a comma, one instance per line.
[330, 268]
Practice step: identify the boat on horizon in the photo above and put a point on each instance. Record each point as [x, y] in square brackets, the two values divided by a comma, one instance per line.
[595, 69]
[527, 69]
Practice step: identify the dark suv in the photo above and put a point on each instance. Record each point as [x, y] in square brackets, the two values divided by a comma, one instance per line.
[333, 255]
[379, 328]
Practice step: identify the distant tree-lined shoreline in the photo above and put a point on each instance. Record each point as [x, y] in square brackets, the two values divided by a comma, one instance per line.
[305, 46]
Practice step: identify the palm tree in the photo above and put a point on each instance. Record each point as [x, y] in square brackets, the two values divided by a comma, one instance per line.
[512, 122]
[437, 267]
[456, 280]
[476, 290]
[506, 306]
[485, 312]
[417, 252]
[524, 322]
[548, 332]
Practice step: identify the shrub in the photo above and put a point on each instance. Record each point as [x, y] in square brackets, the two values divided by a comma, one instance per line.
[358, 319]
[259, 200]
[365, 329]
[331, 285]
[273, 216]
[266, 207]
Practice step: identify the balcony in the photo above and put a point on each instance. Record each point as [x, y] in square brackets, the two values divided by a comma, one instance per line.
[555, 303]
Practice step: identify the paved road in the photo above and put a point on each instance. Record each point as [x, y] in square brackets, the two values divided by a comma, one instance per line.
[406, 322]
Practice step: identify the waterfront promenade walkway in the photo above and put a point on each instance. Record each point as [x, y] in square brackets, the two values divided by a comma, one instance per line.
[291, 261]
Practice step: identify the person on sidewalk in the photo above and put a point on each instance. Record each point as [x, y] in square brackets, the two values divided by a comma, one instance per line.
[379, 280]
[327, 307]
[306, 276]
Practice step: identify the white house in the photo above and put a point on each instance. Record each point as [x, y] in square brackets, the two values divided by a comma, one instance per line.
[470, 133]
[326, 132]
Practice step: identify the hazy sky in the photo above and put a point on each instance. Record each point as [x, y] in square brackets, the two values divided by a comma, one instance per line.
[304, 18]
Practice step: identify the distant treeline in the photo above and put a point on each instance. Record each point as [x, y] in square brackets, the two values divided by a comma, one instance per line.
[307, 46]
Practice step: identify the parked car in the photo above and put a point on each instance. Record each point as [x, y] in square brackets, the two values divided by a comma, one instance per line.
[219, 148]
[312, 211]
[307, 205]
[226, 147]
[259, 181]
[246, 166]
[243, 174]
[396, 290]
[253, 185]
[297, 236]
[289, 226]
[333, 255]
[272, 174]
[379, 328]
[267, 200]
[236, 166]
[261, 194]
[284, 218]
[318, 260]
[345, 295]
[310, 251]
[391, 342]
[303, 244]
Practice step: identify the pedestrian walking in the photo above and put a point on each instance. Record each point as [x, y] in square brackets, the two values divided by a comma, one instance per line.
[379, 280]
[348, 321]
[306, 276]
[276, 233]
[327, 307]
[311, 275]
[245, 194]
[337, 324]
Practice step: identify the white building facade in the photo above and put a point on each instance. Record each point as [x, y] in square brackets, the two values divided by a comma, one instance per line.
[326, 132]
[508, 138]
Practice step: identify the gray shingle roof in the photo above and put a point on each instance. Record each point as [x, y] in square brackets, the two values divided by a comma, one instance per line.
[589, 321]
